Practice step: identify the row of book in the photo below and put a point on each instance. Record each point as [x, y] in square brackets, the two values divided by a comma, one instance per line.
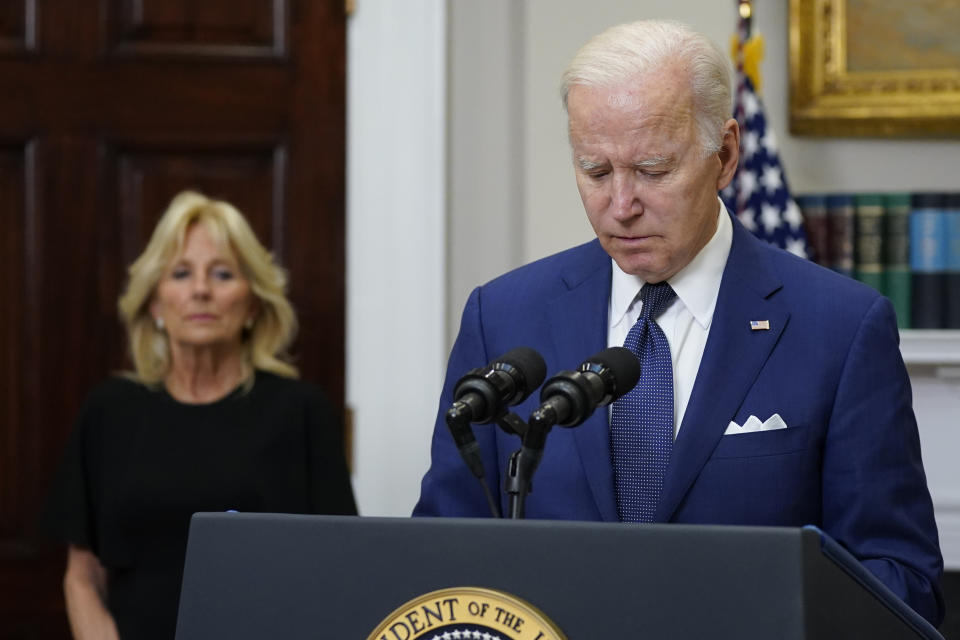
[905, 245]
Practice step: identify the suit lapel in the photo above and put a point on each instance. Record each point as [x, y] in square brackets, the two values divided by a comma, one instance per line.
[578, 321]
[732, 359]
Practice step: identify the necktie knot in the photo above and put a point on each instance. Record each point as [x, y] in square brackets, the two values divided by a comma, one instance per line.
[655, 298]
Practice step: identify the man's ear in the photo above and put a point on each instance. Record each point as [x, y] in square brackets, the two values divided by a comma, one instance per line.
[729, 153]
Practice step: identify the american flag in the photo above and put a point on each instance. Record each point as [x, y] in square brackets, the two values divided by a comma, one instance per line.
[758, 193]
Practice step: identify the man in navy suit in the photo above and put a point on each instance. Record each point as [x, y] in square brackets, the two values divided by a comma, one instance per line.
[791, 403]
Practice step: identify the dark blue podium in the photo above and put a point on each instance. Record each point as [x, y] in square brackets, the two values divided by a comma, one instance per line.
[286, 576]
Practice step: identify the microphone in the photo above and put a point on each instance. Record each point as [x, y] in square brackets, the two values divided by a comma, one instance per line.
[569, 397]
[484, 394]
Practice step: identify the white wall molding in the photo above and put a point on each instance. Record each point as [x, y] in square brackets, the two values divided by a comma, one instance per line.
[930, 346]
[396, 226]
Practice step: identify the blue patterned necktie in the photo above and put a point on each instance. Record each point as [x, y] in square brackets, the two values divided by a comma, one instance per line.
[641, 423]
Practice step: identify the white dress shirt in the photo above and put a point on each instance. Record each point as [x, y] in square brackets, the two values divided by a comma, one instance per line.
[686, 322]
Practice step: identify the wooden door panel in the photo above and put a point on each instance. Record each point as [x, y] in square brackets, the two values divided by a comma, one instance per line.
[122, 101]
[15, 166]
[220, 28]
[74, 327]
[46, 238]
[17, 25]
[251, 179]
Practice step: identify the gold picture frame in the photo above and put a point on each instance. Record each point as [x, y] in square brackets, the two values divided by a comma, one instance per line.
[867, 68]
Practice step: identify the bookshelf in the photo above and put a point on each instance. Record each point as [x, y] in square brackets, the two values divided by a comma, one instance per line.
[906, 245]
[932, 347]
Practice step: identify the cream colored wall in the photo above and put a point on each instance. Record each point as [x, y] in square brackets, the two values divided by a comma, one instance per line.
[485, 146]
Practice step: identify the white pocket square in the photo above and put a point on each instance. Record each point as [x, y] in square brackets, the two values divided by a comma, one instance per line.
[753, 424]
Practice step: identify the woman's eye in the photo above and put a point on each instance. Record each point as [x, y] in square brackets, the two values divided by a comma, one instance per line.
[180, 274]
[223, 274]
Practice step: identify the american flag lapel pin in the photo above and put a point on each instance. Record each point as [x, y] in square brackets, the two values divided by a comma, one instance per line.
[759, 325]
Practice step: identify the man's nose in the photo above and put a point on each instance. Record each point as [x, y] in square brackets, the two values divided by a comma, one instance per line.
[624, 197]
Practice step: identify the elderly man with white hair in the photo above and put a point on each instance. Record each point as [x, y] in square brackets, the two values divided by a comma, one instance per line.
[772, 391]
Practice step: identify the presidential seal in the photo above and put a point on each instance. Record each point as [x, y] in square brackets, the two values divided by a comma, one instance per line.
[467, 613]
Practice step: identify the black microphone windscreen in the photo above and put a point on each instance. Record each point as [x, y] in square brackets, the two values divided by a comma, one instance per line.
[622, 364]
[529, 363]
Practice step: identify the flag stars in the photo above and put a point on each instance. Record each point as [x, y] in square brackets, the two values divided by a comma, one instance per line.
[748, 184]
[759, 196]
[772, 179]
[769, 217]
[746, 218]
[797, 247]
[792, 215]
[750, 104]
[769, 140]
[751, 144]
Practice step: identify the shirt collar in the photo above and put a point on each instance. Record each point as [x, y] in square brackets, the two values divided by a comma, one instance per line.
[696, 285]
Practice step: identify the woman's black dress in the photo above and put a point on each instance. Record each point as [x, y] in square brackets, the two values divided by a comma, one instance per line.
[139, 463]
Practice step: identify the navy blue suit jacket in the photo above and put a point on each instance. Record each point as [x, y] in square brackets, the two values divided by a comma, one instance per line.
[849, 461]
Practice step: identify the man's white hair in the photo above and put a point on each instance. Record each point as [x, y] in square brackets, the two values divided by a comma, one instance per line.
[630, 51]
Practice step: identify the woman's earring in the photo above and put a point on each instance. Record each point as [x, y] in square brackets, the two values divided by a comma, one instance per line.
[248, 324]
[158, 323]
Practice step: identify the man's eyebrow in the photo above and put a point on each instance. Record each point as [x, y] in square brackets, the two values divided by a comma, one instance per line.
[590, 165]
[656, 161]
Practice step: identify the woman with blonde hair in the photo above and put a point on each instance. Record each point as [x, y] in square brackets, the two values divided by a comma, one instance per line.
[211, 419]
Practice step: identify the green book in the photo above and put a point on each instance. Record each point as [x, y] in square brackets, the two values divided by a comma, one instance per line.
[896, 268]
[868, 243]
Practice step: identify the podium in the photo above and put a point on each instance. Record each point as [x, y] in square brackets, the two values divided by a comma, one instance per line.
[292, 577]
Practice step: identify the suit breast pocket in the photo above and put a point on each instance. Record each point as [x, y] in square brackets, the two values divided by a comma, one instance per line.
[762, 443]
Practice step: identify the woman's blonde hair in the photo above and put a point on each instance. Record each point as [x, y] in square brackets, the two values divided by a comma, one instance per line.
[275, 324]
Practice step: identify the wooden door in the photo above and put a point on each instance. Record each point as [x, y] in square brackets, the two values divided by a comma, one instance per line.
[107, 109]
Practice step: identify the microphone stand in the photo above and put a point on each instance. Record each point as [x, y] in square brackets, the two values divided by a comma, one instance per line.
[520, 468]
[524, 461]
[515, 487]
[519, 471]
[519, 481]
